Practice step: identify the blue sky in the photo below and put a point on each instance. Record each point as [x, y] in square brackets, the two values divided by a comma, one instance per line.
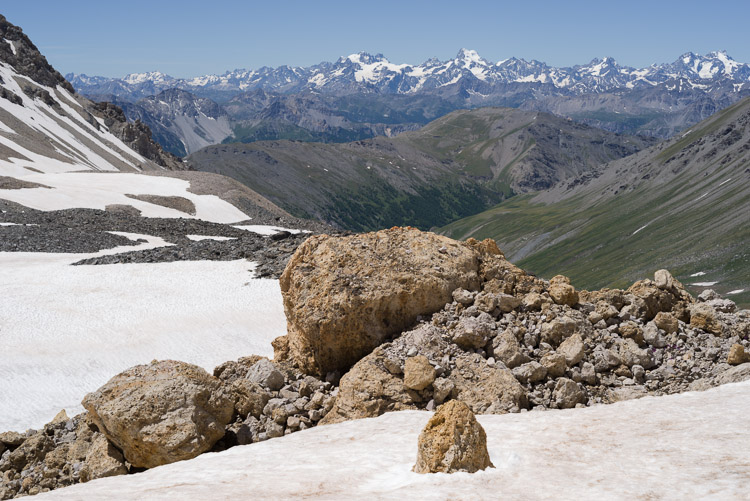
[189, 37]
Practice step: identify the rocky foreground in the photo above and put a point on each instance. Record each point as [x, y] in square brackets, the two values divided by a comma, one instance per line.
[398, 319]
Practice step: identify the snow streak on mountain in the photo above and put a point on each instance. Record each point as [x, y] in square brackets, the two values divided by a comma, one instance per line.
[374, 73]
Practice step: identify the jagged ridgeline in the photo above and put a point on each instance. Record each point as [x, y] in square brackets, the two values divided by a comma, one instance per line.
[683, 204]
[457, 165]
[363, 94]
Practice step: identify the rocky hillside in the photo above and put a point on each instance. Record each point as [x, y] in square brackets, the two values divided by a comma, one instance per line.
[180, 121]
[453, 167]
[45, 126]
[387, 321]
[682, 204]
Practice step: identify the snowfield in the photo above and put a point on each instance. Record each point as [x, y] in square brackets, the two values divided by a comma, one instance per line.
[688, 446]
[94, 190]
[66, 330]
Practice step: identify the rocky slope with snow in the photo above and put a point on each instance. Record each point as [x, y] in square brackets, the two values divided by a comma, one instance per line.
[45, 126]
[657, 100]
[180, 121]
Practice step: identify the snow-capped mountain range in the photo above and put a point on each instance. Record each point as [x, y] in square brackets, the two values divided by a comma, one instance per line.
[374, 73]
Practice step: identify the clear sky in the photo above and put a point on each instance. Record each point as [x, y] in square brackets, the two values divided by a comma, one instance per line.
[189, 37]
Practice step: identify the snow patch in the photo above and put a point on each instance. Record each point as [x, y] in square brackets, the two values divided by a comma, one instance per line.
[198, 238]
[67, 329]
[736, 291]
[267, 230]
[699, 274]
[97, 190]
[569, 454]
[704, 284]
[639, 229]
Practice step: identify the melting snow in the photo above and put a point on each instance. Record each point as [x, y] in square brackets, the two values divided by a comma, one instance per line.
[198, 238]
[699, 274]
[67, 329]
[267, 230]
[688, 446]
[736, 291]
[97, 190]
[704, 284]
[639, 229]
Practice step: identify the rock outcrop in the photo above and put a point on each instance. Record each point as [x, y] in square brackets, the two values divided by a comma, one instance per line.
[452, 441]
[162, 412]
[345, 296]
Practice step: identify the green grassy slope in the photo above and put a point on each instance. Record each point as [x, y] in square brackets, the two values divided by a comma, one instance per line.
[683, 205]
[458, 165]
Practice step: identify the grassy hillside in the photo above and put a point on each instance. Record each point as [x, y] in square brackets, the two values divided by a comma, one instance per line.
[682, 205]
[458, 165]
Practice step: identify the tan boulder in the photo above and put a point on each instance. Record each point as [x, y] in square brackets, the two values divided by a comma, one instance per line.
[666, 322]
[704, 317]
[418, 373]
[737, 355]
[343, 296]
[162, 412]
[102, 460]
[572, 349]
[561, 291]
[453, 440]
[368, 390]
[487, 389]
[554, 363]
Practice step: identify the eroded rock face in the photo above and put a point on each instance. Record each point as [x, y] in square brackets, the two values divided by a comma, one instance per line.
[162, 412]
[343, 296]
[453, 440]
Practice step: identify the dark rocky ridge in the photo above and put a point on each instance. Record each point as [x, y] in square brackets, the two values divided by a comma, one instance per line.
[27, 59]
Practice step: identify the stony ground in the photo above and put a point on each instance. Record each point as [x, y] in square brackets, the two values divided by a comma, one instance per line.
[511, 342]
[87, 230]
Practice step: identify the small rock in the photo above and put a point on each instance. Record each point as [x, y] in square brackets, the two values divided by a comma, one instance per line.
[472, 332]
[572, 349]
[418, 373]
[464, 297]
[442, 389]
[737, 355]
[453, 440]
[555, 364]
[265, 373]
[531, 372]
[567, 394]
[653, 337]
[666, 322]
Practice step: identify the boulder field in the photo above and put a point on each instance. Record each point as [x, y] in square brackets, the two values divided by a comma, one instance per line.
[391, 320]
